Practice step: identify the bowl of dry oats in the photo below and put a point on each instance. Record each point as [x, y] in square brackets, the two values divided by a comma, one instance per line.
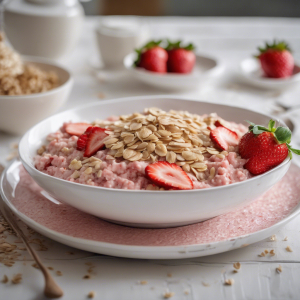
[31, 89]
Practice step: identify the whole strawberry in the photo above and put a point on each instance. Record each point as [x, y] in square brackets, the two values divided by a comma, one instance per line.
[152, 57]
[265, 148]
[181, 59]
[276, 60]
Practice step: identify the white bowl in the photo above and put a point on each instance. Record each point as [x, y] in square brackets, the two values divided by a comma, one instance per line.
[19, 113]
[147, 208]
[205, 68]
[252, 73]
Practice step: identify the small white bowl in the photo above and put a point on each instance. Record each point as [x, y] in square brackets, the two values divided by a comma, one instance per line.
[205, 67]
[147, 208]
[252, 73]
[19, 113]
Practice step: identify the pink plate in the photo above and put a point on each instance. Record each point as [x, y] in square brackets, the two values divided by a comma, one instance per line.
[75, 228]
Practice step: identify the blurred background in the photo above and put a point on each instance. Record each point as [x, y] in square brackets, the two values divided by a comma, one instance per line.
[271, 8]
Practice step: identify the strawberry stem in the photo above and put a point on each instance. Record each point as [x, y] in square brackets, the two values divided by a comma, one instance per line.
[177, 45]
[276, 46]
[283, 135]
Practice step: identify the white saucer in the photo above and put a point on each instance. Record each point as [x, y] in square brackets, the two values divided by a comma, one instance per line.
[11, 177]
[251, 71]
[205, 68]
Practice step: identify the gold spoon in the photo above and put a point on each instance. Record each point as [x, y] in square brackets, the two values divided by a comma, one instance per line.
[52, 290]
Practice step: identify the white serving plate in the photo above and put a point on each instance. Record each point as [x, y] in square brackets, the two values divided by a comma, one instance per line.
[251, 71]
[147, 208]
[205, 67]
[10, 179]
[19, 113]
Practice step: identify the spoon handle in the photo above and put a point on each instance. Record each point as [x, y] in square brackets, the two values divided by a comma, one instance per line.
[52, 290]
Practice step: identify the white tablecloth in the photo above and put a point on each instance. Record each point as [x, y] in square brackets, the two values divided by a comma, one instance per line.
[230, 40]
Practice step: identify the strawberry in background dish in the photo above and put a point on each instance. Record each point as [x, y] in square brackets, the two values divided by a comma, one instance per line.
[276, 60]
[265, 148]
[180, 59]
[152, 57]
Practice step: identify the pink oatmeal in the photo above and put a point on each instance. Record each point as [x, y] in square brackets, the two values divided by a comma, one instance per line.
[212, 167]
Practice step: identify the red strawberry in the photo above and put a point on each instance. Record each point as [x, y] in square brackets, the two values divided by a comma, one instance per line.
[276, 60]
[265, 148]
[224, 137]
[76, 128]
[152, 57]
[95, 138]
[181, 59]
[169, 176]
[81, 142]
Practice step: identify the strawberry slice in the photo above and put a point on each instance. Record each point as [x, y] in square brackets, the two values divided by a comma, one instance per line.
[169, 176]
[76, 128]
[95, 137]
[81, 142]
[224, 137]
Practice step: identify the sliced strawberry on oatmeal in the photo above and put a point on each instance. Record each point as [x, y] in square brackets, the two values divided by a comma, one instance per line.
[76, 128]
[224, 137]
[169, 176]
[81, 142]
[95, 137]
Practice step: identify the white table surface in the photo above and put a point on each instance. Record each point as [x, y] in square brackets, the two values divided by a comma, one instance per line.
[230, 40]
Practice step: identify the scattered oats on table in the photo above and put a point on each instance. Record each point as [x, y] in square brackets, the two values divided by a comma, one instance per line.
[262, 254]
[58, 273]
[168, 295]
[236, 266]
[285, 239]
[87, 276]
[288, 249]
[279, 269]
[205, 284]
[272, 252]
[229, 281]
[16, 279]
[5, 279]
[143, 282]
[273, 238]
[91, 294]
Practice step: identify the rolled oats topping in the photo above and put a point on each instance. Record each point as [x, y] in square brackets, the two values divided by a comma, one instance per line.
[176, 136]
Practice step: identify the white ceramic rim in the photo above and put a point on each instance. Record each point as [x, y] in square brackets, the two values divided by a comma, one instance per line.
[141, 191]
[217, 67]
[294, 78]
[119, 247]
[46, 61]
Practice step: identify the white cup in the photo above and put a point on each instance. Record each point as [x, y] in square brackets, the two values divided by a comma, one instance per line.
[119, 36]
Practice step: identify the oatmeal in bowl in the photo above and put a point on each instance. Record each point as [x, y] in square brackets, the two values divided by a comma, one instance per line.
[31, 89]
[127, 151]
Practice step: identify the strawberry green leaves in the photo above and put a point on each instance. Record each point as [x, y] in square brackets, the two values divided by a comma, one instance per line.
[177, 45]
[278, 46]
[283, 135]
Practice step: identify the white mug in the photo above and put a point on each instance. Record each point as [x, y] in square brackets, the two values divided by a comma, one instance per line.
[119, 36]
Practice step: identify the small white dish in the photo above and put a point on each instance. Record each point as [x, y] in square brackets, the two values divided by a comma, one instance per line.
[252, 73]
[205, 68]
[11, 178]
[118, 36]
[19, 113]
[147, 208]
